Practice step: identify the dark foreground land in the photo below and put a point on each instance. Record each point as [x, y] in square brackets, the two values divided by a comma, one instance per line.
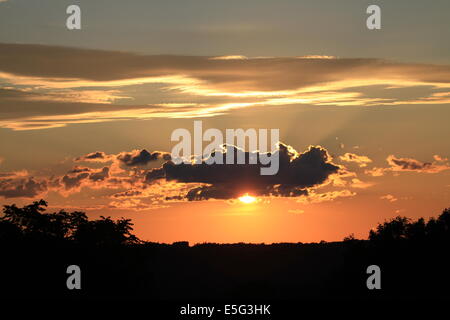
[413, 257]
[218, 272]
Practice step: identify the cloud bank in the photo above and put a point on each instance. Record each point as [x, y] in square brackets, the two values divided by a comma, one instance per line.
[49, 86]
[129, 179]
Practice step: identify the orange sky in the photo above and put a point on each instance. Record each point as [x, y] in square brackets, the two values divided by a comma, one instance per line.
[281, 220]
[86, 118]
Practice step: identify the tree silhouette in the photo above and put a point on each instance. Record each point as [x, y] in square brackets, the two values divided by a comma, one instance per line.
[439, 229]
[105, 232]
[392, 230]
[403, 229]
[31, 223]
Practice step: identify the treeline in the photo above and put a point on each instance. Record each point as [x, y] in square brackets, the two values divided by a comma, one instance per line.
[405, 229]
[31, 223]
[37, 247]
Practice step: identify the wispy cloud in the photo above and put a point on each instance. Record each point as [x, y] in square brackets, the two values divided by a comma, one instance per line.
[362, 161]
[192, 86]
[389, 197]
[410, 165]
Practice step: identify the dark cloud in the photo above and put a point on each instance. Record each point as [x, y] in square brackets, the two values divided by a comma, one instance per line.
[75, 177]
[100, 175]
[78, 169]
[296, 173]
[154, 174]
[130, 159]
[7, 174]
[139, 158]
[411, 165]
[127, 194]
[70, 181]
[27, 188]
[100, 65]
[408, 164]
[98, 156]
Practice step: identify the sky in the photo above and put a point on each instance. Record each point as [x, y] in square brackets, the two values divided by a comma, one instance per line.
[86, 116]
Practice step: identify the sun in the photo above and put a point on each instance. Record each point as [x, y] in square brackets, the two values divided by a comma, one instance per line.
[247, 199]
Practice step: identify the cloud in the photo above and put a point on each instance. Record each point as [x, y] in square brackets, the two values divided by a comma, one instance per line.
[296, 211]
[297, 172]
[140, 158]
[389, 197]
[79, 177]
[124, 183]
[78, 169]
[376, 172]
[315, 56]
[128, 194]
[362, 161]
[99, 65]
[73, 181]
[411, 165]
[130, 159]
[100, 175]
[314, 197]
[26, 188]
[98, 156]
[155, 195]
[136, 187]
[129, 204]
[233, 57]
[439, 158]
[13, 174]
[197, 85]
[356, 183]
[408, 164]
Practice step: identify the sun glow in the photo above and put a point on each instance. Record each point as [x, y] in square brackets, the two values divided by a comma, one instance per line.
[247, 199]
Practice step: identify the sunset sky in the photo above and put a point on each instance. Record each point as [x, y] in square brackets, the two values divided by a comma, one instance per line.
[86, 115]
